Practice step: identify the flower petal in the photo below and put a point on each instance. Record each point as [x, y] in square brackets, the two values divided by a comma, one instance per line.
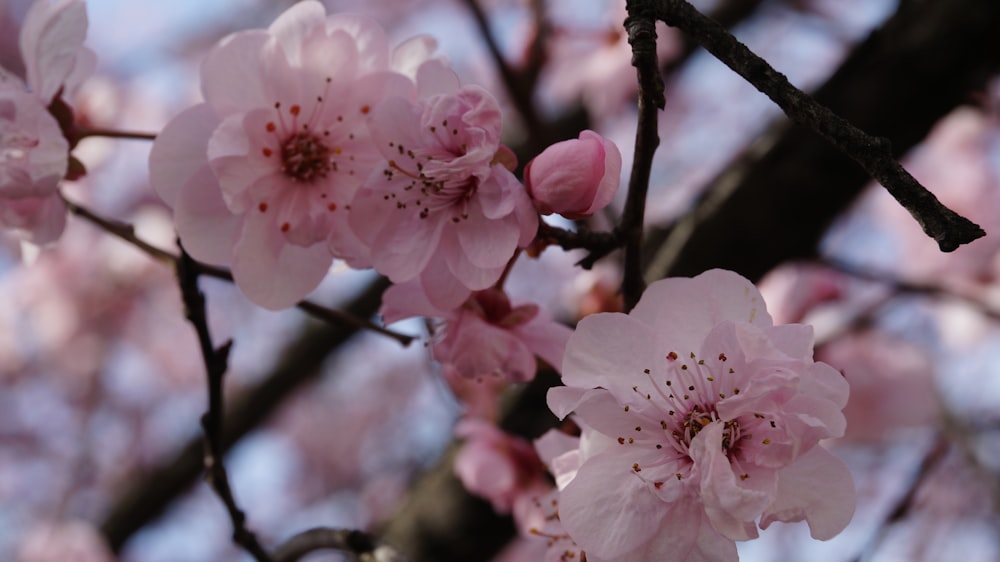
[818, 488]
[179, 151]
[273, 273]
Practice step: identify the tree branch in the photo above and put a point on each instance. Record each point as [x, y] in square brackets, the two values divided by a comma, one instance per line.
[361, 546]
[874, 154]
[126, 232]
[641, 27]
[147, 494]
[216, 363]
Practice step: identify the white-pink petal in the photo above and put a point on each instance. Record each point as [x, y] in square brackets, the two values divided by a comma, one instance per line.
[179, 151]
[263, 260]
[818, 488]
[51, 42]
[607, 510]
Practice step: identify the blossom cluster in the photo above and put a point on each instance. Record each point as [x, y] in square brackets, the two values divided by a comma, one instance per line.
[696, 419]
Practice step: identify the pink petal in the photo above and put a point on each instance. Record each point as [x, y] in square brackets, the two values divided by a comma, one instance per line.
[469, 274]
[732, 505]
[554, 443]
[273, 273]
[486, 243]
[239, 60]
[443, 289]
[683, 311]
[498, 195]
[39, 220]
[546, 338]
[206, 227]
[179, 150]
[406, 300]
[607, 509]
[612, 350]
[51, 38]
[818, 488]
[294, 25]
[372, 44]
[405, 245]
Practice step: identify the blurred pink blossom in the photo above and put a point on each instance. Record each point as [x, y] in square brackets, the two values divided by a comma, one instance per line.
[486, 335]
[709, 418]
[443, 208]
[70, 541]
[575, 178]
[34, 155]
[498, 467]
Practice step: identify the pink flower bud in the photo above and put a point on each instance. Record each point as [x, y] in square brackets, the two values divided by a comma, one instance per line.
[575, 178]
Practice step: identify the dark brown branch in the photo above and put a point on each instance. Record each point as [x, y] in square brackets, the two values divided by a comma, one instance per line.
[641, 27]
[874, 154]
[599, 244]
[361, 546]
[126, 232]
[216, 363]
[148, 494]
[778, 199]
[82, 133]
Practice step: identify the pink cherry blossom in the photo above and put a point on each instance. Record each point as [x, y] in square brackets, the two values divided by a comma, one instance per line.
[442, 207]
[486, 335]
[260, 175]
[33, 159]
[34, 154]
[575, 178]
[496, 466]
[710, 418]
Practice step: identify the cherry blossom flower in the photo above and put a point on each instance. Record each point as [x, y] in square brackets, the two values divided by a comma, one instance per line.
[707, 420]
[261, 173]
[576, 177]
[486, 335]
[34, 154]
[443, 207]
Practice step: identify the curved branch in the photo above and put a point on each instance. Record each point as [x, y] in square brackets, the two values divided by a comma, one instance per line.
[874, 154]
[361, 546]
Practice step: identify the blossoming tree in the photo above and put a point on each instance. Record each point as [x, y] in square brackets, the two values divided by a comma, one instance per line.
[651, 406]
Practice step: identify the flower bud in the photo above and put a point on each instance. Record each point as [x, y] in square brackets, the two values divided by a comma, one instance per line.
[575, 178]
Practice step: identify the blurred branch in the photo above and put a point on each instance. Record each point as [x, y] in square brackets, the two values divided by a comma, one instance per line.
[874, 154]
[898, 285]
[146, 495]
[933, 457]
[776, 201]
[359, 546]
[520, 85]
[216, 364]
[641, 27]
[126, 232]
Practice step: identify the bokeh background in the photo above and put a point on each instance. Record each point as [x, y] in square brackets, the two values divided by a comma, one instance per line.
[101, 381]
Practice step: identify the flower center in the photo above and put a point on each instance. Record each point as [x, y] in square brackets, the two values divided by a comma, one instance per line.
[304, 157]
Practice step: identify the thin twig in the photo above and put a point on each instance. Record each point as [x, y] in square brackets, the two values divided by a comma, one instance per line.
[82, 133]
[599, 244]
[874, 154]
[360, 546]
[520, 95]
[641, 27]
[216, 364]
[126, 232]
